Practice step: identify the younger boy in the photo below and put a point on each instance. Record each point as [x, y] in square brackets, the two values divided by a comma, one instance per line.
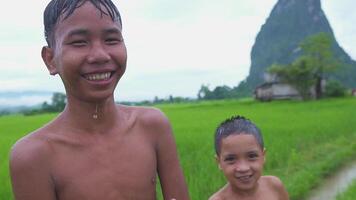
[94, 149]
[240, 155]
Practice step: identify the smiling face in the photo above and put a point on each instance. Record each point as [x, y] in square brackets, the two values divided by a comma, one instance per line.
[88, 53]
[241, 159]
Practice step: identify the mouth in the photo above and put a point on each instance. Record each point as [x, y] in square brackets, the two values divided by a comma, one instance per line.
[245, 178]
[98, 76]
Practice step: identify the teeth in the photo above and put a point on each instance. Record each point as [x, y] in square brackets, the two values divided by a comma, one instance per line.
[244, 178]
[98, 77]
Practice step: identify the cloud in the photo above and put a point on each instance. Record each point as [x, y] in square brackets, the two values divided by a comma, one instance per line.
[182, 43]
[341, 17]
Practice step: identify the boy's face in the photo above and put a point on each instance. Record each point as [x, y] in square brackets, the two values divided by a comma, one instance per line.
[241, 160]
[89, 54]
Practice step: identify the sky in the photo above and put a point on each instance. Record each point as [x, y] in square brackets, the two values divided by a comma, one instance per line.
[173, 46]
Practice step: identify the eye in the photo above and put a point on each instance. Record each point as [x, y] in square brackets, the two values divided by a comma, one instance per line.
[252, 156]
[113, 40]
[229, 160]
[78, 43]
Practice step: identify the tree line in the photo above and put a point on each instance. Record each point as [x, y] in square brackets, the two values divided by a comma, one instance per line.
[57, 104]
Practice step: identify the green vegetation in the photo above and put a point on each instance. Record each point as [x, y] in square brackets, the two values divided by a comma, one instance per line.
[334, 88]
[305, 141]
[298, 74]
[57, 105]
[12, 128]
[349, 194]
[310, 69]
[317, 49]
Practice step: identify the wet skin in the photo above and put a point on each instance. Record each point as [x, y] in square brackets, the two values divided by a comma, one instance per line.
[75, 156]
[241, 160]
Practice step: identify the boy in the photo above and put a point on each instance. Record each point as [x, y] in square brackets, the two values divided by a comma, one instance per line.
[94, 149]
[240, 154]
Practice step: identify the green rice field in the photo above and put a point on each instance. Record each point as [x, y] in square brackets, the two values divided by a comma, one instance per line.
[305, 141]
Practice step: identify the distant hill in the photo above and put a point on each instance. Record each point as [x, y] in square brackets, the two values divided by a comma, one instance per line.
[277, 42]
[10, 100]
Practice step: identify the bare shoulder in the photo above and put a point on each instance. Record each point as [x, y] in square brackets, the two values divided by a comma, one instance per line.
[276, 185]
[215, 196]
[148, 117]
[219, 195]
[272, 181]
[30, 168]
[152, 115]
[154, 126]
[31, 149]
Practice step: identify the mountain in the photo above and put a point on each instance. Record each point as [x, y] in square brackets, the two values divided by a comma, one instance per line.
[289, 23]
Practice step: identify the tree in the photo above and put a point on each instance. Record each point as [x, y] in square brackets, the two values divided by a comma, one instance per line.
[309, 69]
[58, 101]
[204, 92]
[242, 90]
[45, 107]
[299, 75]
[318, 50]
[222, 92]
[335, 89]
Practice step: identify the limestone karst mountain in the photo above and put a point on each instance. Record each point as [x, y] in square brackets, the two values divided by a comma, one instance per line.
[287, 25]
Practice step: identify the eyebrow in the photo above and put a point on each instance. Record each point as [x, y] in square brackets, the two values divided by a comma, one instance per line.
[229, 155]
[86, 32]
[253, 151]
[112, 31]
[77, 32]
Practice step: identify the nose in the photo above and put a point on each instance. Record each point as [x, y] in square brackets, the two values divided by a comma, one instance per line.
[242, 166]
[98, 54]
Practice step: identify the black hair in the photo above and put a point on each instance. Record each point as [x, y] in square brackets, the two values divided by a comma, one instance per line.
[56, 8]
[236, 125]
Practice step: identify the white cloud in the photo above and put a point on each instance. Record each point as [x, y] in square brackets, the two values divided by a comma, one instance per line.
[342, 18]
[201, 42]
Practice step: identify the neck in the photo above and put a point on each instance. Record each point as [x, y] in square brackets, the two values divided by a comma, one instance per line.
[93, 117]
[241, 193]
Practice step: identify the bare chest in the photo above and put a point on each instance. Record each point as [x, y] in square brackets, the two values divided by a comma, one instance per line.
[105, 170]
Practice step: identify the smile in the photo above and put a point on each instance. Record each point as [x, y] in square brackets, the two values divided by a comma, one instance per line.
[98, 76]
[244, 178]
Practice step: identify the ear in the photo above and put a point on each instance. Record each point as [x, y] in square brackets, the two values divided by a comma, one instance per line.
[217, 159]
[47, 57]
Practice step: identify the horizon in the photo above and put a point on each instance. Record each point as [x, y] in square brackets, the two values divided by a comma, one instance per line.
[194, 43]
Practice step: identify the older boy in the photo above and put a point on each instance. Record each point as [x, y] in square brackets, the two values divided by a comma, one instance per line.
[240, 154]
[94, 149]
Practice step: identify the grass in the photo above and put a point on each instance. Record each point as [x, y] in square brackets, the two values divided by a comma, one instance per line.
[11, 129]
[349, 194]
[305, 141]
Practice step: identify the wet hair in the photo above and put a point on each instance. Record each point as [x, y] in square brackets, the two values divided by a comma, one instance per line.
[234, 126]
[58, 8]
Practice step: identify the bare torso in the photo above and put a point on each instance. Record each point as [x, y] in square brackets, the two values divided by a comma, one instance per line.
[110, 167]
[119, 164]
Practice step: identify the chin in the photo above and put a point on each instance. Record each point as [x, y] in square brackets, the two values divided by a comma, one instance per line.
[95, 96]
[244, 186]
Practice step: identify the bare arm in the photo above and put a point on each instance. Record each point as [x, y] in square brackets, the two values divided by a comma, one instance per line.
[279, 187]
[30, 172]
[283, 192]
[169, 170]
